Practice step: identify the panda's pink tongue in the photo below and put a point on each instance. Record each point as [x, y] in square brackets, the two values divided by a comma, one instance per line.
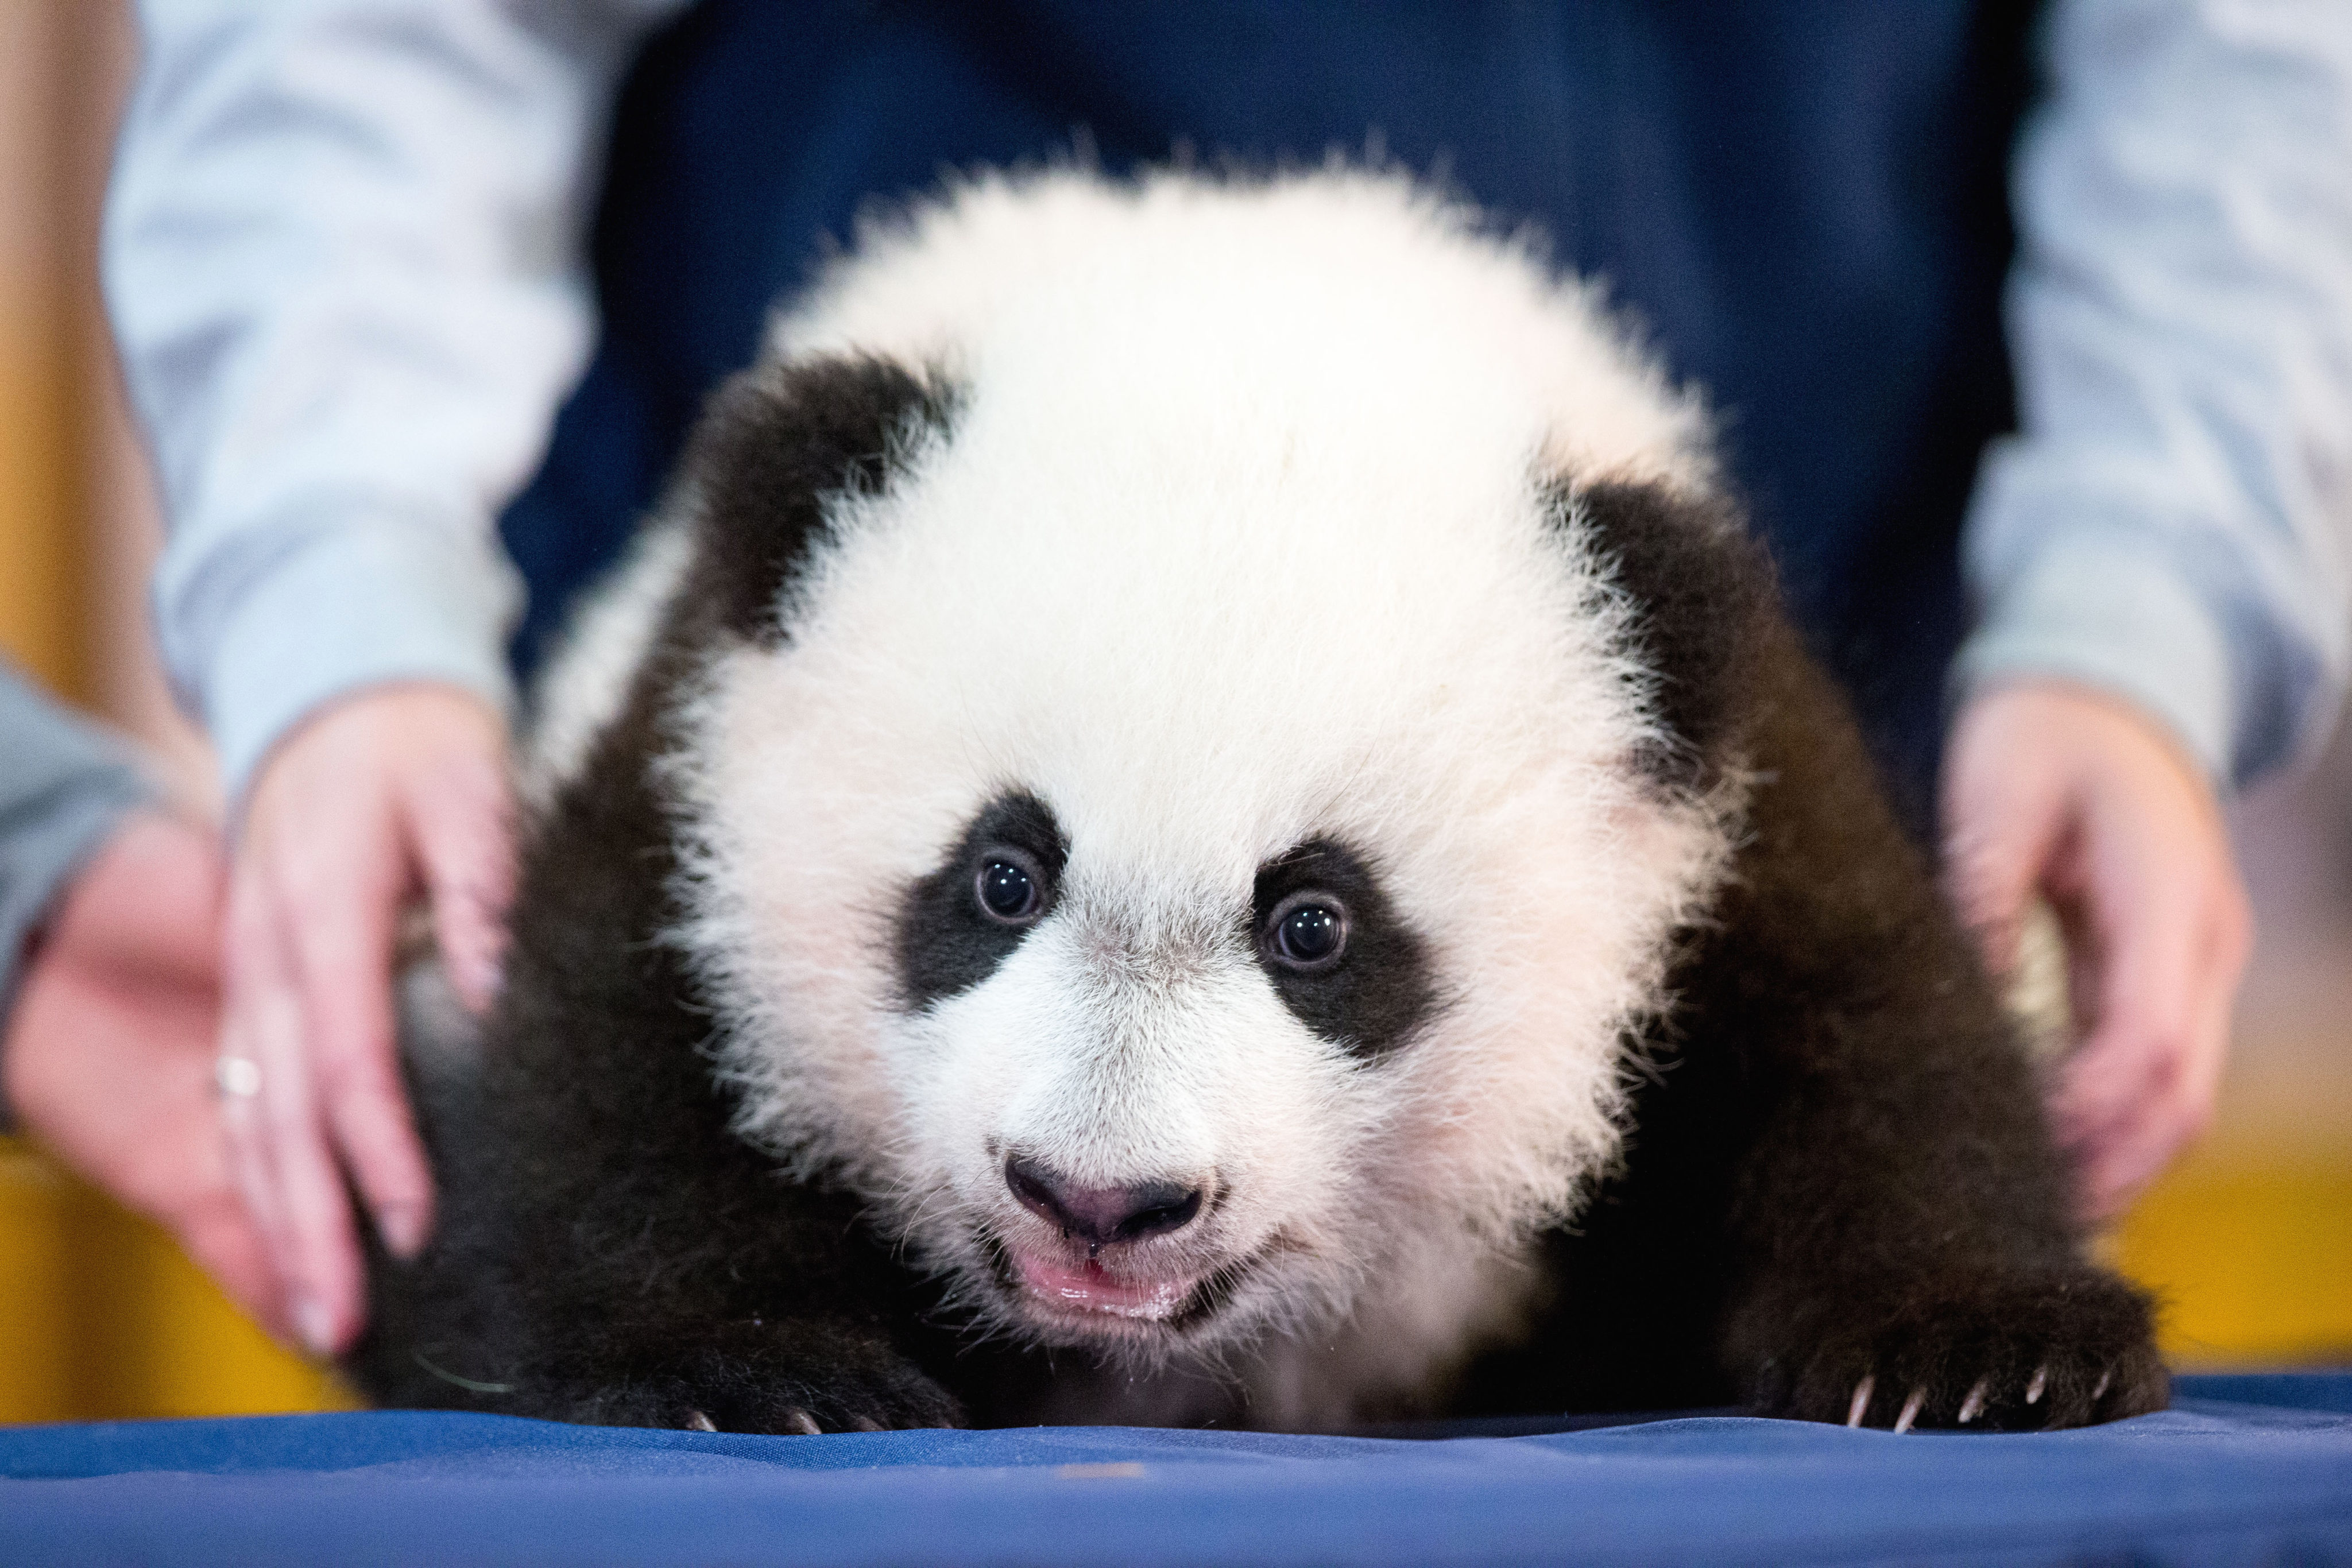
[1090, 1288]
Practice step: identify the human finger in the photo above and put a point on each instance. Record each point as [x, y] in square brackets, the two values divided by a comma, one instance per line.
[220, 1238]
[312, 1243]
[461, 822]
[179, 1174]
[259, 1061]
[2145, 1016]
[2143, 1084]
[2177, 1103]
[2001, 825]
[343, 945]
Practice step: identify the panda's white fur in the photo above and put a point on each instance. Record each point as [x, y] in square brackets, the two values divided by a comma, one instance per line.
[585, 680]
[1361, 618]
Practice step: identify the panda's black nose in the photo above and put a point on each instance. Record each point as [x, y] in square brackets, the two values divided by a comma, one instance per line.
[1101, 1215]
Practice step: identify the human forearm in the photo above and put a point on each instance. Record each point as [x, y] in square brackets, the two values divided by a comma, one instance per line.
[343, 262]
[2170, 523]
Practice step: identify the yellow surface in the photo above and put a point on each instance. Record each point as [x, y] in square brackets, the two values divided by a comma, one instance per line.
[34, 1380]
[101, 1318]
[42, 588]
[2251, 1259]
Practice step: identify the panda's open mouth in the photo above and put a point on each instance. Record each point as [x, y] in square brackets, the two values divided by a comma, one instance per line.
[1086, 1289]
[1081, 1295]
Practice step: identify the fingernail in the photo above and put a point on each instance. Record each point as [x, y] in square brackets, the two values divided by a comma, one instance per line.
[402, 1229]
[484, 979]
[312, 1322]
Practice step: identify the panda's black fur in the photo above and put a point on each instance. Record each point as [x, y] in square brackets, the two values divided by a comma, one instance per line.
[1838, 1192]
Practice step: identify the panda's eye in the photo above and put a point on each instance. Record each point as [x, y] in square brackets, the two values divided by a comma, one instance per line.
[1010, 887]
[1307, 931]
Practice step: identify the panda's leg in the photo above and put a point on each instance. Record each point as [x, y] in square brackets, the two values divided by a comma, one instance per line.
[1906, 1249]
[607, 1249]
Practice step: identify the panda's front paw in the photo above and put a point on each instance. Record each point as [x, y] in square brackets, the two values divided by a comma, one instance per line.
[2069, 1348]
[792, 1379]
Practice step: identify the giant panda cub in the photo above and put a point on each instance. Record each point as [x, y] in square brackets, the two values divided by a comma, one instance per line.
[1199, 811]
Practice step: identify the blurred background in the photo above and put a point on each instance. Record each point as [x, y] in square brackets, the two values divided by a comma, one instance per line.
[99, 1316]
[2248, 1242]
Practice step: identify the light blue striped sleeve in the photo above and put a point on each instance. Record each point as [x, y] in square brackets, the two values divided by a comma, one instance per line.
[2173, 521]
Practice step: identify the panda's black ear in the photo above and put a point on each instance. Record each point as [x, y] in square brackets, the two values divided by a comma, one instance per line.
[1705, 606]
[773, 442]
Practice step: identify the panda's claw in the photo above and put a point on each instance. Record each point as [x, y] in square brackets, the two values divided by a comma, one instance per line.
[1986, 1354]
[802, 1423]
[866, 1423]
[696, 1421]
[1861, 1406]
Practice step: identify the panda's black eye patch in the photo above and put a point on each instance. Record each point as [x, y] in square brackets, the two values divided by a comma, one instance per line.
[996, 882]
[1340, 958]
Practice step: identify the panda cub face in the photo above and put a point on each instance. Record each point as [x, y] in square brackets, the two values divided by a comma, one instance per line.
[1152, 1077]
[1175, 844]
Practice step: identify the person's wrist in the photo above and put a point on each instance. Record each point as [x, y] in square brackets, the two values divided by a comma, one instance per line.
[441, 709]
[2091, 702]
[2106, 607]
[372, 602]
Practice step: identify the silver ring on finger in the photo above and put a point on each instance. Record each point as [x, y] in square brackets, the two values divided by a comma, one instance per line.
[236, 1077]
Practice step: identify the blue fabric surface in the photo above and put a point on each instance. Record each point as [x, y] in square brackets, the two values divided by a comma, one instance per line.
[2244, 1470]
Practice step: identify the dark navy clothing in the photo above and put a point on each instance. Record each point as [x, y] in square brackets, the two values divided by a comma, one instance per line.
[1802, 202]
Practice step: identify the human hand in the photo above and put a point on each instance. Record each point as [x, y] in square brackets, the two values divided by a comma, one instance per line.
[2054, 788]
[109, 1056]
[398, 792]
